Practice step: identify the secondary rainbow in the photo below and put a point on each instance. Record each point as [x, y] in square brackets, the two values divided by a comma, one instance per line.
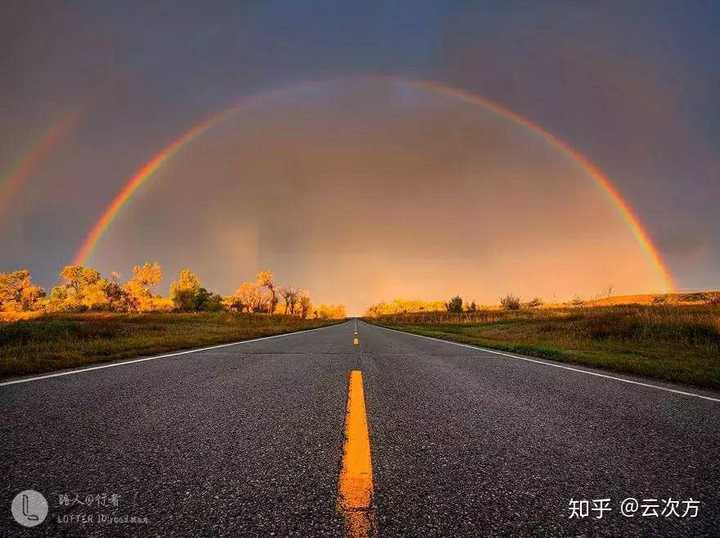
[601, 180]
[38, 152]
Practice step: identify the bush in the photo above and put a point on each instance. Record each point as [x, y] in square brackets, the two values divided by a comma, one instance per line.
[455, 305]
[510, 302]
[537, 302]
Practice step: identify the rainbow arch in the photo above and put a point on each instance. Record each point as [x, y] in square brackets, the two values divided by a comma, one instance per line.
[23, 168]
[145, 172]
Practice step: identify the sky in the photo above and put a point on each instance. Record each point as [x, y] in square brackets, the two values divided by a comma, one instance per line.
[352, 185]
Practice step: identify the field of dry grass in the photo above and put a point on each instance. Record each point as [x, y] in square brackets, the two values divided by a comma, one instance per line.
[52, 342]
[673, 342]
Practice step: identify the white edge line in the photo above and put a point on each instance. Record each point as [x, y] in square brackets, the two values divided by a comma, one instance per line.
[154, 357]
[605, 376]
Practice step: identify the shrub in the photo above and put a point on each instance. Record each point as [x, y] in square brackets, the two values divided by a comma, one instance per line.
[455, 305]
[510, 302]
[537, 302]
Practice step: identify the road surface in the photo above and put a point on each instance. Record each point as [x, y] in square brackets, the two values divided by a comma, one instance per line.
[248, 440]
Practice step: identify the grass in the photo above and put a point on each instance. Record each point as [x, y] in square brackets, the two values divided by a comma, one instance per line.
[53, 342]
[675, 343]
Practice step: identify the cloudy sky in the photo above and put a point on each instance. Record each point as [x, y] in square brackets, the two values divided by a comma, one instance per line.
[348, 184]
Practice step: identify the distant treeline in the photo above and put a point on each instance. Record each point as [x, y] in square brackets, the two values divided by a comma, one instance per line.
[83, 289]
[454, 305]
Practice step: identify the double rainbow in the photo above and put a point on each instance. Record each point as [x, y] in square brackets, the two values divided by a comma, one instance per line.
[42, 147]
[601, 180]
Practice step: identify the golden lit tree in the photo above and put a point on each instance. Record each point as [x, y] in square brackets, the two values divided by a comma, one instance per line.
[78, 278]
[290, 295]
[17, 291]
[139, 287]
[82, 288]
[265, 279]
[247, 296]
[330, 311]
[305, 304]
[184, 290]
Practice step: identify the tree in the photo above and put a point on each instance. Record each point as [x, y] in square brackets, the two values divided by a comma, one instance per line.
[455, 305]
[17, 292]
[330, 311]
[184, 290]
[510, 302]
[84, 289]
[291, 296]
[139, 287]
[206, 301]
[472, 307]
[305, 304]
[119, 299]
[265, 279]
[249, 296]
[79, 278]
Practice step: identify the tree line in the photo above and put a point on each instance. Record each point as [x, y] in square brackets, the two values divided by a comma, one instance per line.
[454, 305]
[83, 289]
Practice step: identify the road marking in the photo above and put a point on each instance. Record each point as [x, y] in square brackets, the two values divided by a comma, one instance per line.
[144, 359]
[355, 485]
[536, 361]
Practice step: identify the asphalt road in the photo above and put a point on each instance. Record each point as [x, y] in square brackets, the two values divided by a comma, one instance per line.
[247, 440]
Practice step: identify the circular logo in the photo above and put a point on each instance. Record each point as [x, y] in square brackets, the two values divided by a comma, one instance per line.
[29, 508]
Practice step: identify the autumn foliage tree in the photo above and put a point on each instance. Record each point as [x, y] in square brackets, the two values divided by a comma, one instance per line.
[17, 291]
[139, 287]
[188, 295]
[330, 311]
[85, 289]
[291, 296]
[265, 279]
[244, 298]
[81, 288]
[305, 304]
[184, 289]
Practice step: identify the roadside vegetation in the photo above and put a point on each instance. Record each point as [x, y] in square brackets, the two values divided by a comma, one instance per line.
[674, 338]
[87, 318]
[56, 341]
[83, 289]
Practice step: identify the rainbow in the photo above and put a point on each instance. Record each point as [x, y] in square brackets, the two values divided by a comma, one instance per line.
[19, 173]
[601, 180]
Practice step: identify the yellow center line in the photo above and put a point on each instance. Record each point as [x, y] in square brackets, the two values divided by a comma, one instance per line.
[355, 486]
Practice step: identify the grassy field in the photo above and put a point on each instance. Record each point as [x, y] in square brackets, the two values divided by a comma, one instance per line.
[53, 342]
[668, 342]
